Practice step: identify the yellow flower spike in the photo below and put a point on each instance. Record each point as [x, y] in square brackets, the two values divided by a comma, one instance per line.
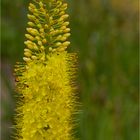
[45, 80]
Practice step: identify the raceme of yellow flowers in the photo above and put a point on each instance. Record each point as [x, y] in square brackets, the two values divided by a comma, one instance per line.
[45, 80]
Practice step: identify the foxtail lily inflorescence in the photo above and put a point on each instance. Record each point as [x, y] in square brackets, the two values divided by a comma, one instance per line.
[45, 80]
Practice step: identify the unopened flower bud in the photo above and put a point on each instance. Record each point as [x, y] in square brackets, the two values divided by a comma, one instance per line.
[44, 41]
[58, 44]
[28, 54]
[34, 57]
[31, 24]
[29, 37]
[67, 35]
[32, 31]
[66, 23]
[31, 17]
[67, 30]
[26, 59]
[50, 48]
[39, 43]
[67, 43]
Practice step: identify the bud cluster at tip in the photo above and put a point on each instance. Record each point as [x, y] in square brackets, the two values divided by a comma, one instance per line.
[47, 30]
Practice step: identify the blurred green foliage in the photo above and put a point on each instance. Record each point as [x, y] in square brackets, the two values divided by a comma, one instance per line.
[105, 35]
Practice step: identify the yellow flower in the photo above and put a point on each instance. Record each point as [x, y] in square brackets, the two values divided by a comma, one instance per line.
[45, 81]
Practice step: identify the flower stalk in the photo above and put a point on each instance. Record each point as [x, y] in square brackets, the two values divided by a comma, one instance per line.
[45, 80]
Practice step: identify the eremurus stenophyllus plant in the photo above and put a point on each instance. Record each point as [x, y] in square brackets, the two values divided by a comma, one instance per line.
[45, 80]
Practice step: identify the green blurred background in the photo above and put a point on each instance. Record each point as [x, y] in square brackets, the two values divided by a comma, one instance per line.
[105, 36]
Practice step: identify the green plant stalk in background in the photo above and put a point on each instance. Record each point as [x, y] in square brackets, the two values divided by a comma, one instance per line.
[45, 80]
